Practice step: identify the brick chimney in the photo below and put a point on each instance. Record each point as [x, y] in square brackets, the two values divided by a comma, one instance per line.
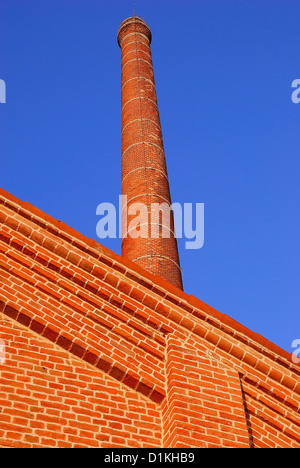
[144, 171]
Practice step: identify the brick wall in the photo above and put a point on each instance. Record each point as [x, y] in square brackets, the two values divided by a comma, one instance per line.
[100, 352]
[50, 398]
[204, 402]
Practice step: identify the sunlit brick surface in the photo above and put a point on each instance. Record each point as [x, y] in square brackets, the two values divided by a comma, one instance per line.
[101, 353]
[144, 172]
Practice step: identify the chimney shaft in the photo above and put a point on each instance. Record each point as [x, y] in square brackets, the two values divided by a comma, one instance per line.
[144, 172]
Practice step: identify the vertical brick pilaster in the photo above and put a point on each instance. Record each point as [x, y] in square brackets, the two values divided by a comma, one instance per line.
[144, 171]
[204, 405]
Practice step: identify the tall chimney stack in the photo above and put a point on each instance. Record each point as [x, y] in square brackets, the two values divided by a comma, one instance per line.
[144, 171]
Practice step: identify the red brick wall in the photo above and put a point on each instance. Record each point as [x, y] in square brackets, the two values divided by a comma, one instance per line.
[99, 352]
[273, 416]
[49, 398]
[204, 401]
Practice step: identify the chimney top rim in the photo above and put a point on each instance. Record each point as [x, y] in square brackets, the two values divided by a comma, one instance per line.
[134, 20]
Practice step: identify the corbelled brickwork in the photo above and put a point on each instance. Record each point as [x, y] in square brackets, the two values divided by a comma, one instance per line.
[144, 171]
[101, 353]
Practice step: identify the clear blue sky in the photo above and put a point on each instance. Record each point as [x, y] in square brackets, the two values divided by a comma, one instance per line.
[223, 71]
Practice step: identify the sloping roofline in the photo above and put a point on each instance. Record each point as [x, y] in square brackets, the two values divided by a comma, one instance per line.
[152, 282]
